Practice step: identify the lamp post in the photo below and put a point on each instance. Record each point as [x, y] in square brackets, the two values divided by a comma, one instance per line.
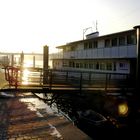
[84, 31]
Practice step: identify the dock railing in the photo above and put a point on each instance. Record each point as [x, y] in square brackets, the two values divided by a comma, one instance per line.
[86, 80]
[60, 79]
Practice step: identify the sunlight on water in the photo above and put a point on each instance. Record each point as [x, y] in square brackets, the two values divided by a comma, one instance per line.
[27, 64]
[31, 76]
[25, 79]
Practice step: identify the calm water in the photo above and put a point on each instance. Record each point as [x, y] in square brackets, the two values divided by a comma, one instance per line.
[30, 61]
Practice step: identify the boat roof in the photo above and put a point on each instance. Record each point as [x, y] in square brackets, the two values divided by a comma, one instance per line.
[98, 37]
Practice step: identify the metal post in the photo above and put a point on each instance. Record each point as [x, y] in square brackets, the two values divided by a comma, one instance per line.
[89, 77]
[22, 59]
[137, 57]
[106, 82]
[34, 61]
[45, 63]
[21, 65]
[12, 60]
[81, 78]
[50, 79]
[66, 75]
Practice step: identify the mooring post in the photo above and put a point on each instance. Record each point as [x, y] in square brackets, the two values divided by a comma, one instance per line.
[45, 63]
[137, 58]
[34, 61]
[12, 60]
[22, 59]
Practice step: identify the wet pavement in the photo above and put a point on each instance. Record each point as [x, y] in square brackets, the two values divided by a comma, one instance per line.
[25, 117]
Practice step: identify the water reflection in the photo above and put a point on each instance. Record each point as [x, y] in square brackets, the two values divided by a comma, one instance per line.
[70, 106]
[35, 103]
[31, 76]
[25, 80]
[41, 109]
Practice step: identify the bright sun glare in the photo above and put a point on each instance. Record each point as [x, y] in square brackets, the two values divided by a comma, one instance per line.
[25, 80]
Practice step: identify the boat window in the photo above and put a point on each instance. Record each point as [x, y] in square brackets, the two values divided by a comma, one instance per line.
[107, 43]
[121, 40]
[109, 66]
[102, 66]
[97, 66]
[95, 44]
[114, 42]
[131, 40]
[85, 45]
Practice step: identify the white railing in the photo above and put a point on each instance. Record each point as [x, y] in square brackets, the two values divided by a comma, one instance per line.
[112, 52]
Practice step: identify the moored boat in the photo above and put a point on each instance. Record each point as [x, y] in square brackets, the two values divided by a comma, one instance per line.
[91, 117]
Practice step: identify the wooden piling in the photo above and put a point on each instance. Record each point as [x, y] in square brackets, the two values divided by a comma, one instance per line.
[45, 63]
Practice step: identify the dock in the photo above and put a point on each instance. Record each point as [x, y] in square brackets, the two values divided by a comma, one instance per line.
[25, 117]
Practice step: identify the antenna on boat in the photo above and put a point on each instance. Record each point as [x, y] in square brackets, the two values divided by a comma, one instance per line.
[95, 24]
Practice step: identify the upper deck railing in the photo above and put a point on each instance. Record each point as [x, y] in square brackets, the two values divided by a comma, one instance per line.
[103, 52]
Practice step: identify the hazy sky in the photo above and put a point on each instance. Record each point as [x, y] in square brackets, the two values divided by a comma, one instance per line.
[28, 25]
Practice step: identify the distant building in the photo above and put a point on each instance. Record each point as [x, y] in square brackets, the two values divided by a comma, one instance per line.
[113, 53]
